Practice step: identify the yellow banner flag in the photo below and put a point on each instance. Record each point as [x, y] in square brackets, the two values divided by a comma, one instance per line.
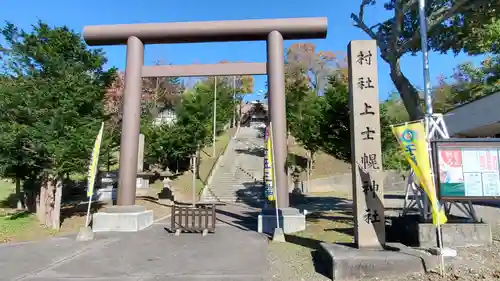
[269, 173]
[93, 162]
[412, 139]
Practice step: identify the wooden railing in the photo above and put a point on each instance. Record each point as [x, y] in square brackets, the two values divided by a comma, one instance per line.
[200, 218]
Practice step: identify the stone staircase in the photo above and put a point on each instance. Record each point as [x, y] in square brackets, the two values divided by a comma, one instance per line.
[239, 175]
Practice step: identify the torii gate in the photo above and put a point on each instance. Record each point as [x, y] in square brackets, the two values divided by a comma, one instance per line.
[273, 31]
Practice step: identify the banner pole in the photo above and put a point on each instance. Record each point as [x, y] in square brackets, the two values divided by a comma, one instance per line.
[428, 125]
[418, 137]
[274, 176]
[428, 115]
[93, 167]
[87, 219]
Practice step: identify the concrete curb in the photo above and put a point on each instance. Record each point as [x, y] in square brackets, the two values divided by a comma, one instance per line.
[156, 221]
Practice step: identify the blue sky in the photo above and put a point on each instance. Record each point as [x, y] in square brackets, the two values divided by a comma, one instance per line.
[74, 14]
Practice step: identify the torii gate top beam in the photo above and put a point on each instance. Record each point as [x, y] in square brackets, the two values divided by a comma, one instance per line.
[208, 31]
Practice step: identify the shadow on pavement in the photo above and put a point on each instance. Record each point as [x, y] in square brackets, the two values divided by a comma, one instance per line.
[487, 203]
[255, 151]
[238, 216]
[394, 196]
[322, 204]
[251, 194]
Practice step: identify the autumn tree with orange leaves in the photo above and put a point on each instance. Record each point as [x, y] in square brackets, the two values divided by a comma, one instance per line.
[307, 71]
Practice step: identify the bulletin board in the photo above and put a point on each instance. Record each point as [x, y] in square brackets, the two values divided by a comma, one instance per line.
[466, 169]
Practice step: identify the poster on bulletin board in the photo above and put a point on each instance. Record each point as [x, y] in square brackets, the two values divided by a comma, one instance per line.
[467, 168]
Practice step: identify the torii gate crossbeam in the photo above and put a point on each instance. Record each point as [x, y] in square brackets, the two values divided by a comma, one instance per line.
[273, 31]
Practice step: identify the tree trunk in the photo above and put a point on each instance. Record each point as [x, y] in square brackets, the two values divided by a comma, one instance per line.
[235, 112]
[49, 203]
[239, 115]
[308, 169]
[198, 164]
[409, 94]
[31, 201]
[40, 201]
[19, 195]
[56, 214]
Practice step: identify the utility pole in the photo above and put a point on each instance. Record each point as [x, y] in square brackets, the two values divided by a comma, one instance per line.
[234, 99]
[215, 116]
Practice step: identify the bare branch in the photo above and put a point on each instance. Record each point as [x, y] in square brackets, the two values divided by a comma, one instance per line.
[433, 21]
[408, 5]
[397, 25]
[360, 24]
[359, 20]
[375, 26]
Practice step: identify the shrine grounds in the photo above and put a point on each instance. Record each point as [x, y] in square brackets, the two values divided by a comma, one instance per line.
[331, 221]
[234, 252]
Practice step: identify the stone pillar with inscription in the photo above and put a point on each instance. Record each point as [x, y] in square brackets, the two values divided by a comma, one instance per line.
[366, 158]
[140, 154]
[142, 180]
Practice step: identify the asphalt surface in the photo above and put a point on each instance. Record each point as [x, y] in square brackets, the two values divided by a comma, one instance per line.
[231, 253]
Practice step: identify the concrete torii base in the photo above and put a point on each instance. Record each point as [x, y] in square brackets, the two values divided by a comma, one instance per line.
[122, 219]
[290, 219]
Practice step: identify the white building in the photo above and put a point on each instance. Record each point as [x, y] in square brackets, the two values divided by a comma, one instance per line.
[167, 116]
[479, 118]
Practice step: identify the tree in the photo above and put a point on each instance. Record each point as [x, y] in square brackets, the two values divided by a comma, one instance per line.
[58, 87]
[18, 156]
[169, 144]
[392, 112]
[306, 73]
[306, 76]
[240, 85]
[159, 93]
[336, 123]
[306, 127]
[304, 64]
[467, 84]
[452, 26]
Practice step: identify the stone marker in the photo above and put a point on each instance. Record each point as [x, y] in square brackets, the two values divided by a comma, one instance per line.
[140, 154]
[142, 181]
[367, 175]
[370, 256]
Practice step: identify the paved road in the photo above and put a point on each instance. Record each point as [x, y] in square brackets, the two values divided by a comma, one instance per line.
[235, 252]
[232, 253]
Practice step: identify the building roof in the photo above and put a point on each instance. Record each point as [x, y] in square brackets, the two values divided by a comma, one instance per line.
[478, 118]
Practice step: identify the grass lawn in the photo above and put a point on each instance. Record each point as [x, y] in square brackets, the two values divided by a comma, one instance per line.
[22, 227]
[7, 188]
[297, 256]
[324, 165]
[16, 227]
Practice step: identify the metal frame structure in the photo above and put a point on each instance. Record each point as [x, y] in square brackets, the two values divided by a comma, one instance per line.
[273, 31]
[415, 197]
